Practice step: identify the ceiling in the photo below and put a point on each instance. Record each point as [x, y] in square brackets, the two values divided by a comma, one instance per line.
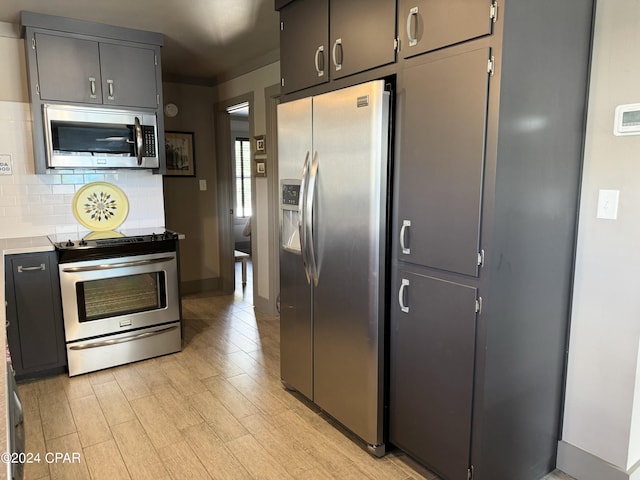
[205, 41]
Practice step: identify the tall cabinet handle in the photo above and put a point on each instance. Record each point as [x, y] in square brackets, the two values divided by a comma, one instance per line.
[302, 227]
[403, 237]
[404, 308]
[334, 54]
[413, 15]
[309, 217]
[319, 52]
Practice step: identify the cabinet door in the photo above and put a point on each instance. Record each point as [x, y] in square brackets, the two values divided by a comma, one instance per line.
[36, 332]
[444, 106]
[363, 34]
[68, 69]
[128, 75]
[431, 364]
[427, 25]
[304, 36]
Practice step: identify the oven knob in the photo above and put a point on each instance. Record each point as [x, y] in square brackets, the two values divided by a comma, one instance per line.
[154, 237]
[83, 243]
[69, 243]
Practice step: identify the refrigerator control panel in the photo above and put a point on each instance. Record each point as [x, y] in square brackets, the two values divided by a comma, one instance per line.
[290, 194]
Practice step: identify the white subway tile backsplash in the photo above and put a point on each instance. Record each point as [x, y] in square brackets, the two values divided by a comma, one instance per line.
[72, 179]
[63, 189]
[42, 204]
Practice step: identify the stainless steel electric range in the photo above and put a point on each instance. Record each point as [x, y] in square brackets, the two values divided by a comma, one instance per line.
[120, 297]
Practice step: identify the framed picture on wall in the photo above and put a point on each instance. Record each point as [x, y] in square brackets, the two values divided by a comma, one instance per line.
[180, 154]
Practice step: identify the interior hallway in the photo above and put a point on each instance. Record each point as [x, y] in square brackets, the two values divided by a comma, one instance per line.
[215, 410]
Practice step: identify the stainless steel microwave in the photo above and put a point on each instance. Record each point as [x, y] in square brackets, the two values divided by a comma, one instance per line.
[90, 137]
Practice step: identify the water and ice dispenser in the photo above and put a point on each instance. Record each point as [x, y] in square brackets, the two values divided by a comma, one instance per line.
[290, 214]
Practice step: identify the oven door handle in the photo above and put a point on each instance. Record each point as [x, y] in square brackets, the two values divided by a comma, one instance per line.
[115, 341]
[109, 266]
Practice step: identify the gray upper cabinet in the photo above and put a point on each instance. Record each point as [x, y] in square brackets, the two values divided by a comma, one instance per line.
[128, 75]
[75, 62]
[427, 25]
[68, 68]
[322, 40]
[304, 37]
[80, 70]
[444, 115]
[362, 35]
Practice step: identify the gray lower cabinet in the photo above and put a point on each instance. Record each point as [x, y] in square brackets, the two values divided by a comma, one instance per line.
[427, 25]
[35, 328]
[433, 329]
[322, 40]
[79, 70]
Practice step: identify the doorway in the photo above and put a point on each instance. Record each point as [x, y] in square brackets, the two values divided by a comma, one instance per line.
[242, 194]
[236, 201]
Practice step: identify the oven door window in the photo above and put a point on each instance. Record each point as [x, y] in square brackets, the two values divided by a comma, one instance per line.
[69, 137]
[116, 296]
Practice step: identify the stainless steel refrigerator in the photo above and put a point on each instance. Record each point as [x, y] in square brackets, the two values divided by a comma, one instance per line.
[333, 173]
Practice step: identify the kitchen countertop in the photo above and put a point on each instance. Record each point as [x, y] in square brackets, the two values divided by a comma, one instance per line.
[12, 246]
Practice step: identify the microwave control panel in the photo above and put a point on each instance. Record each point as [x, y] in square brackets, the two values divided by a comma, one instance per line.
[149, 140]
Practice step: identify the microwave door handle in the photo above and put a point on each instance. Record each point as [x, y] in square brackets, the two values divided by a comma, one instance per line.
[139, 144]
[114, 139]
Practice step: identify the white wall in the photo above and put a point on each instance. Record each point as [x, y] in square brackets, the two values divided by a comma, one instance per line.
[602, 406]
[257, 81]
[41, 204]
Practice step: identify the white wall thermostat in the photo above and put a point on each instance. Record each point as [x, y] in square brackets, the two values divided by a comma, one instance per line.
[627, 120]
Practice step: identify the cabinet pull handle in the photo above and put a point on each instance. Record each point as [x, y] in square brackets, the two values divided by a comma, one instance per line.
[92, 87]
[403, 286]
[334, 55]
[40, 267]
[319, 51]
[403, 235]
[413, 14]
[110, 87]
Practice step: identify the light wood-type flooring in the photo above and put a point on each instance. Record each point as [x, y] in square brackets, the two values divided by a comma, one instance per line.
[216, 410]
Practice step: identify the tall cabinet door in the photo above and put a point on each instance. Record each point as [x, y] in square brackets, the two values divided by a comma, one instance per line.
[304, 50]
[427, 25]
[444, 105]
[350, 169]
[296, 324]
[362, 35]
[432, 344]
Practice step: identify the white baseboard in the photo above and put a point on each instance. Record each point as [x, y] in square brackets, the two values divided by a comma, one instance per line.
[586, 466]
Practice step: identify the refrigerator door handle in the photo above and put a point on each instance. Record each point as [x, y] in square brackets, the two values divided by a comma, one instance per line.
[302, 228]
[309, 217]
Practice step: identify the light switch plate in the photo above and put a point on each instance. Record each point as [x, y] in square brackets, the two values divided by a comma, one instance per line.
[608, 204]
[203, 185]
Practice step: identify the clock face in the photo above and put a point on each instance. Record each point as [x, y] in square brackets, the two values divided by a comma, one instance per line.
[170, 110]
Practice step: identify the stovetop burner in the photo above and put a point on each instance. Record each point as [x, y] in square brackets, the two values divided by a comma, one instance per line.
[95, 245]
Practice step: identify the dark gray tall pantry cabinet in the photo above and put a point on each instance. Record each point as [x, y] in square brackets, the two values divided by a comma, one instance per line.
[488, 161]
[490, 107]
